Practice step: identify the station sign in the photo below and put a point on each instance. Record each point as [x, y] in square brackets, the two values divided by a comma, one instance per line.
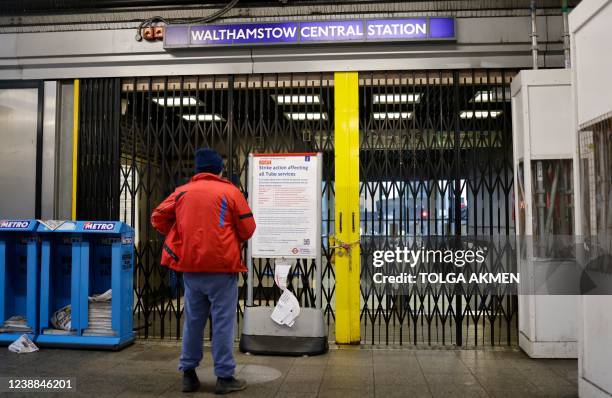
[310, 32]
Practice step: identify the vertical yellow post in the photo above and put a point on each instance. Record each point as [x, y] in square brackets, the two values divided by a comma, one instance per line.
[75, 146]
[346, 150]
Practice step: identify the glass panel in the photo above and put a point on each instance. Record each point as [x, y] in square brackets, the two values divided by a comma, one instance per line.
[552, 185]
[552, 204]
[596, 173]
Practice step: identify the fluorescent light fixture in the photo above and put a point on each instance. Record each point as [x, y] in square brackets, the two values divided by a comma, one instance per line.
[204, 117]
[306, 115]
[396, 98]
[500, 94]
[177, 101]
[479, 114]
[392, 115]
[296, 99]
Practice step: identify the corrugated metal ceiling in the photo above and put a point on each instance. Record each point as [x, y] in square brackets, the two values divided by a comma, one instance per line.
[28, 7]
[66, 15]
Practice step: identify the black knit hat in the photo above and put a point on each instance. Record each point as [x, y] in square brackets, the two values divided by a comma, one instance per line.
[208, 161]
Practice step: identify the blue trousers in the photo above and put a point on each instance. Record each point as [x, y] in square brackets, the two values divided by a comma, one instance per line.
[216, 295]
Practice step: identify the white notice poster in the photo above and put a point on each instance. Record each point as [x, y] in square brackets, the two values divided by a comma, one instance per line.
[284, 199]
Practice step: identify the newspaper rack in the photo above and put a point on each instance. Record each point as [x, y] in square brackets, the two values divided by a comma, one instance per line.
[81, 259]
[19, 273]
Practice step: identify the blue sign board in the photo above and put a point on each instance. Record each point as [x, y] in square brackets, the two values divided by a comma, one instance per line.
[13, 225]
[305, 32]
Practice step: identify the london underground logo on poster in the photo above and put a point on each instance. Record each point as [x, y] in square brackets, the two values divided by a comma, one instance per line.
[14, 224]
[304, 32]
[98, 226]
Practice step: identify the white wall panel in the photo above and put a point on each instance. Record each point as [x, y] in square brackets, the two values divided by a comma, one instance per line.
[593, 62]
[551, 108]
[591, 33]
[597, 347]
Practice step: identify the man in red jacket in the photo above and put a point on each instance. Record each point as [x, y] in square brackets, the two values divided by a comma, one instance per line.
[205, 222]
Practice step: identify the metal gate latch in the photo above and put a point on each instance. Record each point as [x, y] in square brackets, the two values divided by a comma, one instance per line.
[344, 247]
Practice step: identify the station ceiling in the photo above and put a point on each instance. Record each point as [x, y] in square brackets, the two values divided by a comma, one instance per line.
[32, 7]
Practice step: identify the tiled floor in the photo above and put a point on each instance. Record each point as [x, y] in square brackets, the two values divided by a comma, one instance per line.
[147, 369]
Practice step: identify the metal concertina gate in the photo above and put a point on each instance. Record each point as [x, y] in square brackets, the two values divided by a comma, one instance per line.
[435, 160]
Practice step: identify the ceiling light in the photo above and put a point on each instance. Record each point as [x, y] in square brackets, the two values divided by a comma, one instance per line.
[392, 115]
[396, 98]
[500, 94]
[177, 101]
[296, 99]
[205, 117]
[306, 115]
[479, 114]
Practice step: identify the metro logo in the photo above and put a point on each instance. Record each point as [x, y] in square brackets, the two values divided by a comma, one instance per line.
[99, 226]
[8, 224]
[265, 161]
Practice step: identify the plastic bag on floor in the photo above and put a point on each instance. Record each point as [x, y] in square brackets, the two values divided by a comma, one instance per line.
[62, 318]
[23, 345]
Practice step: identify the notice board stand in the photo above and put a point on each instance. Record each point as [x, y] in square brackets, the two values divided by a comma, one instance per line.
[260, 334]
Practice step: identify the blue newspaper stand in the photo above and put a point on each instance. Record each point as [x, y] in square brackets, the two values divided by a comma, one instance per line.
[80, 259]
[18, 278]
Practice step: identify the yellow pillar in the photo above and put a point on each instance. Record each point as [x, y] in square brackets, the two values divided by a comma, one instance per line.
[75, 146]
[346, 152]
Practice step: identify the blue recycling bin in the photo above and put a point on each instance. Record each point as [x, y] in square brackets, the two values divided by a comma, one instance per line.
[79, 260]
[19, 273]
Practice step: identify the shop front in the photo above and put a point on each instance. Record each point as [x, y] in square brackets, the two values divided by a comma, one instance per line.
[412, 117]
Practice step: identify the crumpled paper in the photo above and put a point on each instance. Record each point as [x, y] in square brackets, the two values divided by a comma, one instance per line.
[288, 307]
[286, 310]
[23, 345]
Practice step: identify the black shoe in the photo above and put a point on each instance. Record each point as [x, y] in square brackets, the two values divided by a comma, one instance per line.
[191, 382]
[230, 384]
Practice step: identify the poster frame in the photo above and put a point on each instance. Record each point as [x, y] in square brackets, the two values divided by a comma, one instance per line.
[318, 221]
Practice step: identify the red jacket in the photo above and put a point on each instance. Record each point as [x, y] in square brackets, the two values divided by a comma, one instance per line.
[205, 222]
